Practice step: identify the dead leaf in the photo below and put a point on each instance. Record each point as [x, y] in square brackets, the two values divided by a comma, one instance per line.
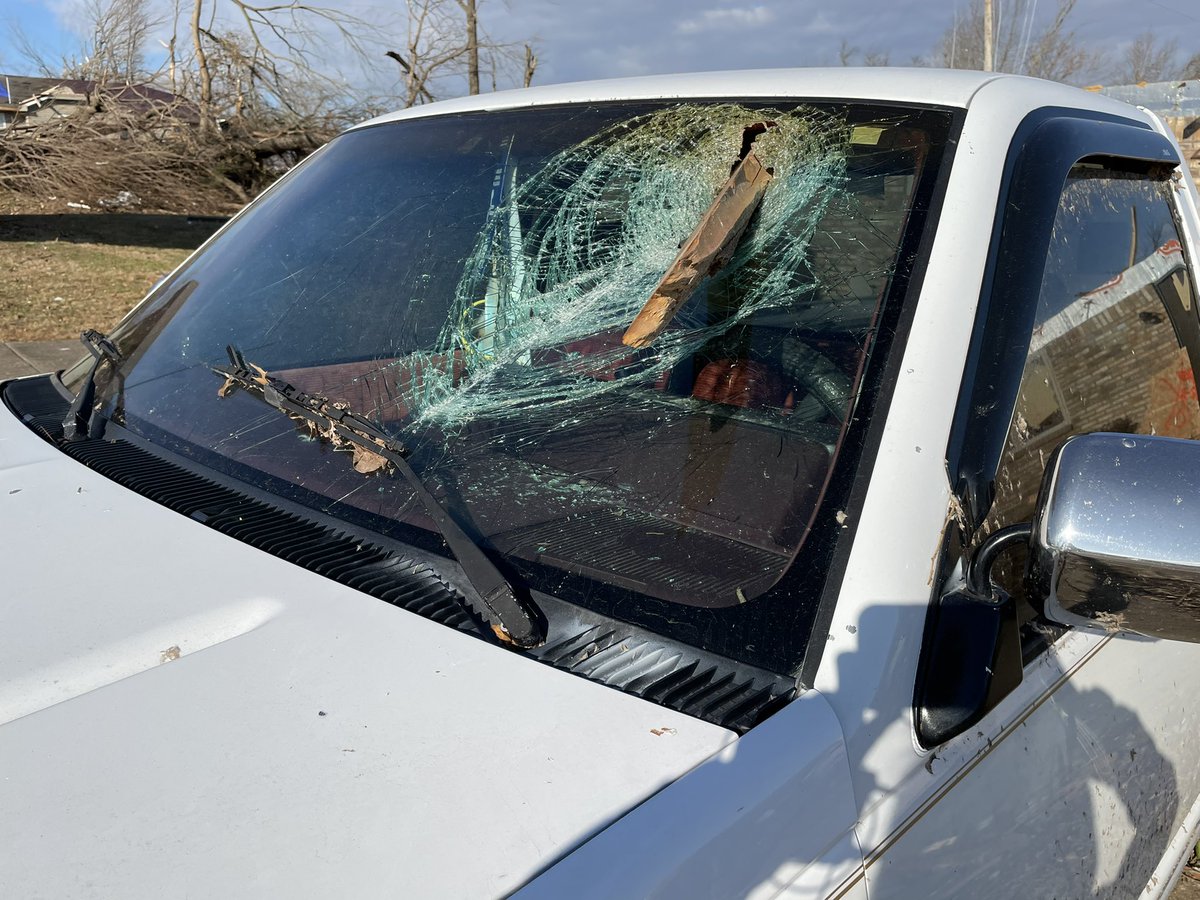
[367, 462]
[1111, 622]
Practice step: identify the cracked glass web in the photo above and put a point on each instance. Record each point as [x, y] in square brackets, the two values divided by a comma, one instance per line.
[572, 251]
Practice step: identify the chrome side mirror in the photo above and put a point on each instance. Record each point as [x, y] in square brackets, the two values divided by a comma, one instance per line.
[1116, 535]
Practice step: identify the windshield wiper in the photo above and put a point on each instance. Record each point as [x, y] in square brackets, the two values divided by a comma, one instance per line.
[77, 424]
[515, 621]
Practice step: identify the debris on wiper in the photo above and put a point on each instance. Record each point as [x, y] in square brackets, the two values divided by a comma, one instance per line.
[330, 413]
[710, 247]
[515, 620]
[77, 424]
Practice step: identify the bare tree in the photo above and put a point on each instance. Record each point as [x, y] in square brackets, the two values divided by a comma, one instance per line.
[850, 55]
[172, 48]
[432, 47]
[121, 30]
[445, 43]
[203, 72]
[1022, 46]
[472, 48]
[267, 56]
[1148, 60]
[254, 90]
[112, 40]
[1191, 68]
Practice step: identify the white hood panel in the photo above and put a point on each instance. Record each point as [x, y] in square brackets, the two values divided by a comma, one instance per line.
[184, 715]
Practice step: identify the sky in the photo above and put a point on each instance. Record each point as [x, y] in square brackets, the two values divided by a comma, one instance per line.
[578, 40]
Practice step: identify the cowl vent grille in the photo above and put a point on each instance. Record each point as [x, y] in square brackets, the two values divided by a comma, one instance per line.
[669, 676]
[621, 656]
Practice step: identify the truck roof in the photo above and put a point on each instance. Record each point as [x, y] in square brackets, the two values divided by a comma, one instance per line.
[924, 86]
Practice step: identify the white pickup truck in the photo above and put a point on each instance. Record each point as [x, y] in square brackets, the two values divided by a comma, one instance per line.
[761, 484]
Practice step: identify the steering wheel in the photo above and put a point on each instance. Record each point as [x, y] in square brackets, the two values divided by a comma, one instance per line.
[819, 375]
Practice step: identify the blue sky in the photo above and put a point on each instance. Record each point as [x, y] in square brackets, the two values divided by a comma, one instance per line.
[580, 40]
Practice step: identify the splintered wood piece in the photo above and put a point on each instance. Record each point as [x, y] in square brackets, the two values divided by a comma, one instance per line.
[709, 248]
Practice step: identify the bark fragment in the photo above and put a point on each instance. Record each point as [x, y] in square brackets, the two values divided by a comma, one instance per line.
[710, 247]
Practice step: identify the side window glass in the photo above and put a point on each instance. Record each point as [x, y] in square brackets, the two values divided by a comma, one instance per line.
[1114, 345]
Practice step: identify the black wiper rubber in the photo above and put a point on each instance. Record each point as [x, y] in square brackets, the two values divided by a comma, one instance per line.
[77, 424]
[514, 620]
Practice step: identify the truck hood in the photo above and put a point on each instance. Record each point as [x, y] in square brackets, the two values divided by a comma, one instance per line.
[182, 714]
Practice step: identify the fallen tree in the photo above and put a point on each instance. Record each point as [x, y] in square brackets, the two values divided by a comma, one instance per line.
[253, 94]
[152, 157]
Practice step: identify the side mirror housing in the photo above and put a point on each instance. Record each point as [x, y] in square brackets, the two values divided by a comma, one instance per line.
[1116, 535]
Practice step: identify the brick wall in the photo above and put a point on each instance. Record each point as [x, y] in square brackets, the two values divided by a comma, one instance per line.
[1119, 370]
[1191, 146]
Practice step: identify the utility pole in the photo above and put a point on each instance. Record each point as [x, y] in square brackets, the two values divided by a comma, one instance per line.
[988, 50]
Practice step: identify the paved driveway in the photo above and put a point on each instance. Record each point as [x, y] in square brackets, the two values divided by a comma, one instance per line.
[19, 358]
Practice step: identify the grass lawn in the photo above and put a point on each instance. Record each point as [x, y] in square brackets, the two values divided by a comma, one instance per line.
[52, 291]
[61, 273]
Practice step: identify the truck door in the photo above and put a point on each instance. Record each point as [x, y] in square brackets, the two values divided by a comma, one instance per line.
[1088, 770]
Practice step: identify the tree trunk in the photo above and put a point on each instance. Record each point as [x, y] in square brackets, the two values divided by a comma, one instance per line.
[988, 38]
[531, 62]
[472, 47]
[206, 122]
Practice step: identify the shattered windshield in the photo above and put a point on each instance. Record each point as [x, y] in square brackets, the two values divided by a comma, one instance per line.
[622, 343]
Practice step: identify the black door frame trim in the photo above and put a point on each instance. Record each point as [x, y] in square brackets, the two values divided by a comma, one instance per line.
[1047, 143]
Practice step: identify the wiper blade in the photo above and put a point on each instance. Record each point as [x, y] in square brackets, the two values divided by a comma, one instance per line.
[77, 424]
[514, 620]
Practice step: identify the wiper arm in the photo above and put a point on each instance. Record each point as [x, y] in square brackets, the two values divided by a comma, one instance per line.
[515, 621]
[77, 424]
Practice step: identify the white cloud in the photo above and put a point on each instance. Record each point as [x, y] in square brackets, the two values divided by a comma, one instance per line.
[713, 19]
[819, 25]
